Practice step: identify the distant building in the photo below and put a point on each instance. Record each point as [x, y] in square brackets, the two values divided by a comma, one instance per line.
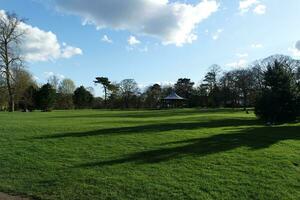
[173, 101]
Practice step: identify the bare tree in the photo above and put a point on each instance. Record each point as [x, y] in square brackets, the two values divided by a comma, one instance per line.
[54, 81]
[10, 56]
[128, 88]
[66, 86]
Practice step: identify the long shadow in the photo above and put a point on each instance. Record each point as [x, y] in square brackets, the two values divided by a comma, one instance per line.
[156, 128]
[253, 138]
[148, 113]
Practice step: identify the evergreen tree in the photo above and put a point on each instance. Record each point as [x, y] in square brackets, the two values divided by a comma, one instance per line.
[82, 98]
[278, 100]
[46, 98]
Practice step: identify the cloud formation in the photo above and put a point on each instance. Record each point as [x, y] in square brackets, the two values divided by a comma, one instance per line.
[40, 45]
[241, 62]
[49, 74]
[295, 51]
[238, 64]
[172, 22]
[106, 39]
[133, 41]
[255, 5]
[260, 9]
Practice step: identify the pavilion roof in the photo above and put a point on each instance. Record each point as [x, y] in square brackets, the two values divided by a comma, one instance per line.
[174, 96]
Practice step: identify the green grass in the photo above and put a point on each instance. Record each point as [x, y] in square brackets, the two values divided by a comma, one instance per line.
[172, 154]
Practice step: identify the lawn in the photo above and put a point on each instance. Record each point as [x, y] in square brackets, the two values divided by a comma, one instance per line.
[171, 154]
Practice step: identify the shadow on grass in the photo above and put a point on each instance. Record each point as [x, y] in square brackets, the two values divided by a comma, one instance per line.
[149, 113]
[156, 128]
[254, 138]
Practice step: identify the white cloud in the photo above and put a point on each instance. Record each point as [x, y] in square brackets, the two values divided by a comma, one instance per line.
[69, 51]
[246, 5]
[133, 41]
[216, 35]
[172, 22]
[241, 61]
[260, 9]
[40, 45]
[257, 46]
[295, 51]
[49, 74]
[255, 5]
[237, 64]
[106, 39]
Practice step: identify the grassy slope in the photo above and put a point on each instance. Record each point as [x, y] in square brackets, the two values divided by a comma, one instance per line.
[179, 154]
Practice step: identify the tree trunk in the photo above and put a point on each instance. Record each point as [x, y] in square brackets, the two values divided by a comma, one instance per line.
[11, 102]
[105, 97]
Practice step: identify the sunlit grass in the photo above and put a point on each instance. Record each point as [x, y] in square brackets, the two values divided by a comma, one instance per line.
[171, 154]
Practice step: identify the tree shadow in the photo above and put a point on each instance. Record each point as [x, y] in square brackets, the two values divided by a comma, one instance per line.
[253, 138]
[156, 128]
[149, 113]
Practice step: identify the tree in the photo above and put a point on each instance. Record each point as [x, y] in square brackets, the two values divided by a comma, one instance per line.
[46, 97]
[67, 86]
[115, 98]
[153, 96]
[54, 81]
[278, 100]
[3, 92]
[10, 40]
[184, 87]
[64, 101]
[211, 77]
[22, 81]
[211, 83]
[64, 97]
[128, 88]
[29, 99]
[82, 98]
[106, 84]
[244, 81]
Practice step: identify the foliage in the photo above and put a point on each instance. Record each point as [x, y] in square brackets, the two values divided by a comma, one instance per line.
[46, 97]
[153, 96]
[107, 86]
[29, 99]
[278, 100]
[64, 101]
[82, 98]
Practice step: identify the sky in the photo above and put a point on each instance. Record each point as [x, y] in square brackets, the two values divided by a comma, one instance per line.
[151, 41]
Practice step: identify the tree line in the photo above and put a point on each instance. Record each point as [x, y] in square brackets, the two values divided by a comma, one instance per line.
[270, 85]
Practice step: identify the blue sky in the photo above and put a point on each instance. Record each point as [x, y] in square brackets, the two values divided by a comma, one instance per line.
[230, 33]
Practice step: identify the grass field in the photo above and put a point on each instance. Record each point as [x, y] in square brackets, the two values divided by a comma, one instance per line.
[173, 154]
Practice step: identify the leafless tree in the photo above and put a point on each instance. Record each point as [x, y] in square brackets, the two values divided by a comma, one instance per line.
[10, 54]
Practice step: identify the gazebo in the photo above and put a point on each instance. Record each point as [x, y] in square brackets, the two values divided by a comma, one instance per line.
[173, 101]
